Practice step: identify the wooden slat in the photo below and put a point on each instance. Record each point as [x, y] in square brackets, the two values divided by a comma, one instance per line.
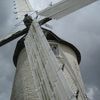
[43, 61]
[64, 7]
[23, 7]
[36, 64]
[10, 37]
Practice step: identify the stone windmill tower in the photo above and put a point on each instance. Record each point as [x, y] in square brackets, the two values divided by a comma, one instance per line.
[47, 67]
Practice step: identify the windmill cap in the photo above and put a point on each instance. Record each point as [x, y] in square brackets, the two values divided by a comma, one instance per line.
[50, 36]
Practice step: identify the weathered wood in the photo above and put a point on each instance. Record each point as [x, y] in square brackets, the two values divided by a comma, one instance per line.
[64, 7]
[13, 36]
[56, 11]
[45, 20]
[44, 64]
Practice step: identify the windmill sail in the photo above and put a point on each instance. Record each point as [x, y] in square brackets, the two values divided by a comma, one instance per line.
[23, 7]
[64, 7]
[45, 65]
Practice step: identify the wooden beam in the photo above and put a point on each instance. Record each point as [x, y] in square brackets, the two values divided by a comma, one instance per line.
[43, 61]
[11, 37]
[64, 7]
[45, 20]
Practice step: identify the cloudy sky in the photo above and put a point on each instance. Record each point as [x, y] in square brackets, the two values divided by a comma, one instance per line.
[81, 28]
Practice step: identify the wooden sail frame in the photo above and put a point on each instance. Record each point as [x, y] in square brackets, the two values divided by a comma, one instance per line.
[64, 7]
[56, 11]
[23, 7]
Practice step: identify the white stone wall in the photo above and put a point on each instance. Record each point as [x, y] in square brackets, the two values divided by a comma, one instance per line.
[24, 89]
[72, 71]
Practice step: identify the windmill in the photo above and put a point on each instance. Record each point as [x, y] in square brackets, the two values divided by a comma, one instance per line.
[46, 66]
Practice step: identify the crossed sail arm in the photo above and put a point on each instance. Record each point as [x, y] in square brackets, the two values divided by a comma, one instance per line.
[64, 7]
[57, 10]
[23, 7]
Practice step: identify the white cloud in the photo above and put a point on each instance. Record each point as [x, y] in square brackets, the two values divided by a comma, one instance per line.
[91, 92]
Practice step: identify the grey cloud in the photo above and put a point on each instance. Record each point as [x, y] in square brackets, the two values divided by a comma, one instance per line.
[91, 68]
[80, 28]
[4, 11]
[7, 69]
[7, 17]
[93, 93]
